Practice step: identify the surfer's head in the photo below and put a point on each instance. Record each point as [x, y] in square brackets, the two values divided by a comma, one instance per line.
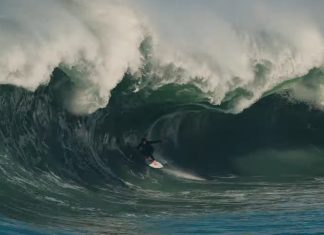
[144, 140]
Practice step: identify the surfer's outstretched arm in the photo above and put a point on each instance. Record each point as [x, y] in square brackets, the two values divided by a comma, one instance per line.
[154, 141]
[139, 146]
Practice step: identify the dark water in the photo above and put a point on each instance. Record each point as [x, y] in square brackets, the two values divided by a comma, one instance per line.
[260, 171]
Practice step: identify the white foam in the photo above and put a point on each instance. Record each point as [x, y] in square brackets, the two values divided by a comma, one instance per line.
[222, 45]
[97, 41]
[100, 39]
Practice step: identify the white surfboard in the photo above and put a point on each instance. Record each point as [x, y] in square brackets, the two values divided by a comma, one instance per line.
[155, 164]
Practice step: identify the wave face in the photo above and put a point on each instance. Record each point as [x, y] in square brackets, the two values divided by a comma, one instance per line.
[88, 165]
[39, 132]
[233, 94]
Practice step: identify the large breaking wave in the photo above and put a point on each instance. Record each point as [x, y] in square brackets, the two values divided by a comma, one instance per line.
[82, 82]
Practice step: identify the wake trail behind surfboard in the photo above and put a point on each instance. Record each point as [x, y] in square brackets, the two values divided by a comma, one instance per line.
[182, 174]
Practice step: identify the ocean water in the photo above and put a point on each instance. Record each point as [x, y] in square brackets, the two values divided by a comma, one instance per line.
[234, 90]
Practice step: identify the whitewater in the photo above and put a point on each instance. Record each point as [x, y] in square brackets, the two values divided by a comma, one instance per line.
[254, 49]
[234, 90]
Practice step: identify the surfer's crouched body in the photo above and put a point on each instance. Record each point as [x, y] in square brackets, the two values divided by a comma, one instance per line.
[146, 148]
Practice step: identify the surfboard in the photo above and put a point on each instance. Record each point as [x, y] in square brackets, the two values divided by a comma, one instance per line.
[155, 164]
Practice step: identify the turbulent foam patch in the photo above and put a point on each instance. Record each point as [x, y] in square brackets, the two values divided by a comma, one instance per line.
[211, 45]
[221, 49]
[99, 39]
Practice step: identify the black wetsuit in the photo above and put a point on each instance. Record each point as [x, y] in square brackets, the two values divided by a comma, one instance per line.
[146, 148]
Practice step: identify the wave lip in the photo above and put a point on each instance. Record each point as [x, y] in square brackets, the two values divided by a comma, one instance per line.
[97, 42]
[94, 42]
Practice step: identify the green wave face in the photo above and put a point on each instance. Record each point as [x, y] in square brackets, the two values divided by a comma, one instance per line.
[199, 136]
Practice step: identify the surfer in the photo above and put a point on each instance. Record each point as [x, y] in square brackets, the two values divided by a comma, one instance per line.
[146, 148]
